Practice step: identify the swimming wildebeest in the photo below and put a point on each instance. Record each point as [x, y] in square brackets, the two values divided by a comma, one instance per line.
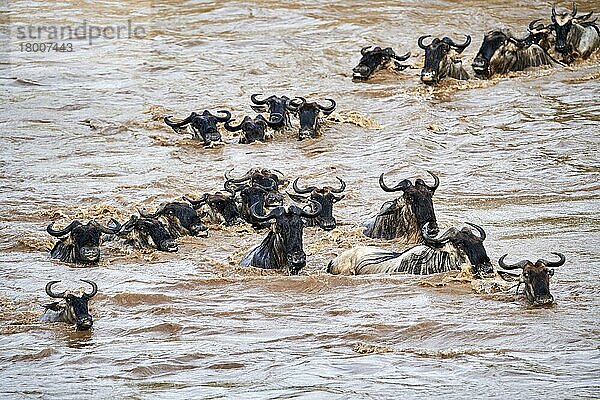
[375, 59]
[180, 219]
[79, 243]
[451, 251]
[220, 208]
[254, 194]
[325, 196]
[73, 309]
[501, 52]
[253, 129]
[282, 248]
[147, 233]
[271, 181]
[308, 114]
[440, 60]
[535, 277]
[204, 126]
[576, 36]
[404, 217]
[277, 108]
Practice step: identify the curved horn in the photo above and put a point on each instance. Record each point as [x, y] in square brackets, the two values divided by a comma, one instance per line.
[555, 264]
[532, 26]
[196, 203]
[405, 184]
[302, 190]
[503, 265]
[433, 240]
[179, 124]
[554, 13]
[128, 226]
[226, 118]
[274, 120]
[316, 206]
[403, 57]
[585, 16]
[145, 214]
[52, 294]
[94, 289]
[231, 128]
[291, 105]
[116, 226]
[244, 178]
[420, 41]
[274, 213]
[255, 100]
[436, 182]
[327, 110]
[63, 231]
[342, 186]
[482, 234]
[459, 47]
[364, 50]
[574, 12]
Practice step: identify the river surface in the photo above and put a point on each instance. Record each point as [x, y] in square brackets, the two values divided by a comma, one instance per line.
[82, 137]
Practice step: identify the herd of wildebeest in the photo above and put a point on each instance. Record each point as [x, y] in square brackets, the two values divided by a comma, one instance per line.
[258, 198]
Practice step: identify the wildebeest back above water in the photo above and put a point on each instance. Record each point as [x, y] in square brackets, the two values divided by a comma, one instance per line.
[180, 219]
[218, 208]
[147, 232]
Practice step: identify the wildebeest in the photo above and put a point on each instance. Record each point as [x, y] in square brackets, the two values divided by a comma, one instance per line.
[439, 60]
[535, 277]
[308, 114]
[254, 194]
[375, 59]
[74, 309]
[180, 219]
[147, 233]
[325, 196]
[576, 36]
[253, 129]
[204, 126]
[220, 208]
[451, 251]
[277, 108]
[404, 217]
[282, 248]
[79, 243]
[271, 180]
[501, 52]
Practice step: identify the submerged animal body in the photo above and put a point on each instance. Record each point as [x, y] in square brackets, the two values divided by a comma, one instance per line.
[179, 218]
[279, 116]
[309, 116]
[219, 208]
[148, 233]
[204, 126]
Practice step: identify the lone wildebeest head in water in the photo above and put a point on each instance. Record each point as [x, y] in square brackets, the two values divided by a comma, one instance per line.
[325, 196]
[79, 243]
[439, 60]
[253, 129]
[180, 219]
[374, 59]
[308, 114]
[282, 248]
[204, 126]
[148, 233]
[220, 208]
[405, 216]
[277, 108]
[576, 36]
[535, 277]
[72, 310]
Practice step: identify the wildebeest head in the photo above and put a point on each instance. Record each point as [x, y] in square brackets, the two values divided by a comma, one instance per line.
[308, 114]
[287, 234]
[468, 243]
[325, 196]
[375, 59]
[253, 129]
[203, 125]
[535, 277]
[84, 246]
[76, 307]
[181, 219]
[437, 57]
[221, 206]
[562, 24]
[419, 199]
[276, 106]
[150, 228]
[271, 180]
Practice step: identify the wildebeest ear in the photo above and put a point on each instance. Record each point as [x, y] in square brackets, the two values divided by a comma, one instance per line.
[388, 208]
[509, 277]
[53, 306]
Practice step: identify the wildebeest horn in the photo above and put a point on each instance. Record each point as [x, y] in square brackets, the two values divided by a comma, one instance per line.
[63, 231]
[555, 264]
[420, 41]
[436, 182]
[439, 240]
[231, 128]
[255, 100]
[196, 203]
[458, 47]
[179, 124]
[316, 206]
[342, 186]
[574, 13]
[327, 110]
[293, 104]
[54, 295]
[405, 184]
[363, 51]
[226, 118]
[532, 26]
[274, 213]
[238, 180]
[482, 234]
[94, 289]
[503, 265]
[128, 226]
[116, 226]
[233, 187]
[302, 190]
[273, 185]
[274, 120]
[585, 16]
[145, 214]
[554, 13]
[402, 58]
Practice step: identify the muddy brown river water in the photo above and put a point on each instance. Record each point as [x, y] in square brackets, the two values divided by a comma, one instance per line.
[517, 155]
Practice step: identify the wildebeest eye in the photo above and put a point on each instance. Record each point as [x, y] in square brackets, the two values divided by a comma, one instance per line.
[550, 272]
[526, 274]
